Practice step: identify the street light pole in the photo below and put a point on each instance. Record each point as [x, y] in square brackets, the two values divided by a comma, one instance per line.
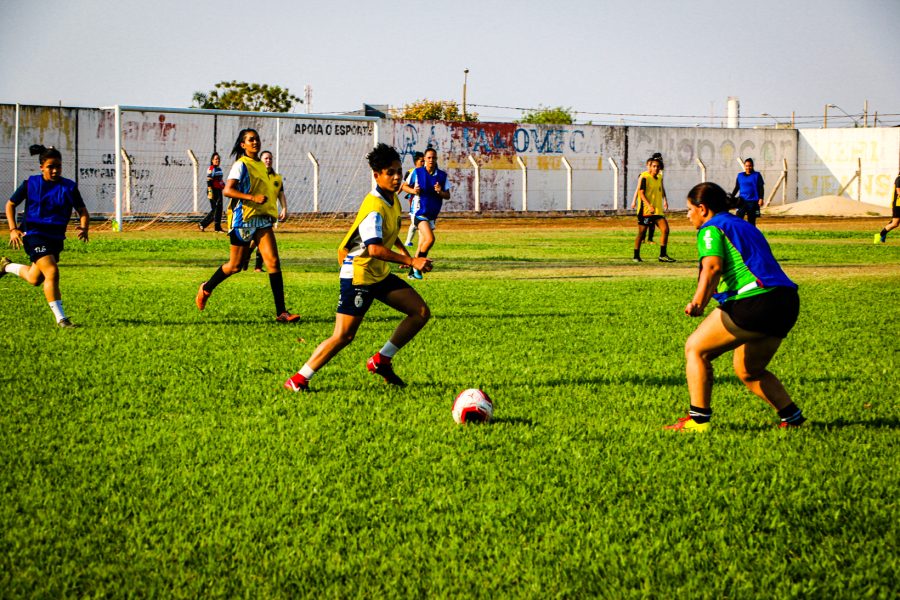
[465, 81]
[855, 122]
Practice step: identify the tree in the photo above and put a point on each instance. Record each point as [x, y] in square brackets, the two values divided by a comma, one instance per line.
[238, 95]
[434, 110]
[550, 115]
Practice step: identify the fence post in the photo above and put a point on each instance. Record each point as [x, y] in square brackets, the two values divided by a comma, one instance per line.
[127, 176]
[524, 182]
[568, 166]
[702, 170]
[315, 164]
[477, 183]
[117, 226]
[615, 169]
[16, 152]
[196, 174]
[277, 144]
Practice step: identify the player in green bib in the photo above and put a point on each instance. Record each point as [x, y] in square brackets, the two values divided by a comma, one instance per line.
[758, 306]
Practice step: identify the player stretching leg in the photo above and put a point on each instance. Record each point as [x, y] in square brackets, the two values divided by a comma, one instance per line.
[758, 307]
[364, 254]
[49, 201]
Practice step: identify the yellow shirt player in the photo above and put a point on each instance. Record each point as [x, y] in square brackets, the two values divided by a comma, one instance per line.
[651, 194]
[365, 254]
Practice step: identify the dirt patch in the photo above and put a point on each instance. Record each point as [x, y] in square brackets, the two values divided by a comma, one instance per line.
[829, 206]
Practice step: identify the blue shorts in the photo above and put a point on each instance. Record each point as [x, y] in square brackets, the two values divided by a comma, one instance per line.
[38, 246]
[423, 219]
[355, 300]
[242, 236]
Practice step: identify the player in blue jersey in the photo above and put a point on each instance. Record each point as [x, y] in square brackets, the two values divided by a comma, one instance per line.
[49, 200]
[751, 188]
[758, 306]
[430, 184]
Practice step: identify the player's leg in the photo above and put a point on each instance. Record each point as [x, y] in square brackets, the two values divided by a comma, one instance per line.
[881, 237]
[714, 336]
[426, 242]
[642, 231]
[238, 253]
[406, 300]
[345, 327]
[268, 248]
[752, 213]
[218, 210]
[663, 225]
[411, 232]
[650, 231]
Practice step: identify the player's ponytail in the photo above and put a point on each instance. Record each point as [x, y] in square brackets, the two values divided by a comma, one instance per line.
[44, 152]
[712, 197]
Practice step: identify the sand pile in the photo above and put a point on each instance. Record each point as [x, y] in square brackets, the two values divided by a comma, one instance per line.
[829, 206]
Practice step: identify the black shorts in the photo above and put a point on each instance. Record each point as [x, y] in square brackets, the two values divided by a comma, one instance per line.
[748, 207]
[37, 246]
[648, 220]
[772, 313]
[895, 212]
[355, 300]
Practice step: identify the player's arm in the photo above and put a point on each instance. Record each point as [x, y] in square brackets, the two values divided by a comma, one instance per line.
[409, 184]
[707, 282]
[379, 251]
[737, 188]
[761, 190]
[231, 191]
[665, 198]
[283, 200]
[642, 185]
[15, 234]
[441, 192]
[84, 219]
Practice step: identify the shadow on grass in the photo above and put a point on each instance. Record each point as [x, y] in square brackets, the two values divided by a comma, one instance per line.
[513, 421]
[877, 423]
[214, 321]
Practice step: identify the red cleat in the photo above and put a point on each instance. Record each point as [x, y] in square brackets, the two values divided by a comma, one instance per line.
[297, 383]
[202, 297]
[380, 365]
[287, 317]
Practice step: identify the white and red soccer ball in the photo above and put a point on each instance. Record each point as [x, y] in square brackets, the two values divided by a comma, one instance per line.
[472, 406]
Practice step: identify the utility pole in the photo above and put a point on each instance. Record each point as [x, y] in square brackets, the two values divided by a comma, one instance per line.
[465, 81]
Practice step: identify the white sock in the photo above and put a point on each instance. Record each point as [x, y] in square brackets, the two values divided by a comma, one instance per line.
[409, 236]
[307, 371]
[14, 268]
[389, 350]
[58, 311]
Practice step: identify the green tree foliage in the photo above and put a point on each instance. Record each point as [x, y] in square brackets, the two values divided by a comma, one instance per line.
[550, 115]
[238, 95]
[435, 110]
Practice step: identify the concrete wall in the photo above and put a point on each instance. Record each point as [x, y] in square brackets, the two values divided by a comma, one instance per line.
[828, 159]
[819, 161]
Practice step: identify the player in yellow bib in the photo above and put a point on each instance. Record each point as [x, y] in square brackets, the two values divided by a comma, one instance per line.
[365, 255]
[651, 194]
[276, 187]
[251, 214]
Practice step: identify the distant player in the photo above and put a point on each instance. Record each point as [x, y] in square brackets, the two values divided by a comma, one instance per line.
[277, 186]
[215, 183]
[251, 214]
[651, 202]
[418, 161]
[49, 200]
[651, 228]
[430, 184]
[751, 188]
[881, 238]
[758, 306]
[365, 254]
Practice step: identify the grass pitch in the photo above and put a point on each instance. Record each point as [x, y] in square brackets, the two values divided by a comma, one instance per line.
[154, 453]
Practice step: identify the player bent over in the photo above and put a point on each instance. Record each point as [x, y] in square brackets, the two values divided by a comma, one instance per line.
[758, 307]
[49, 201]
[365, 275]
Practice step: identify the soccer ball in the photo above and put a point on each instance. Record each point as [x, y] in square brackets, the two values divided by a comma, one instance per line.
[472, 406]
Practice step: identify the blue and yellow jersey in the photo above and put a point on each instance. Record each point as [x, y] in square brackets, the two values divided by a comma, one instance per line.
[748, 268]
[377, 222]
[253, 178]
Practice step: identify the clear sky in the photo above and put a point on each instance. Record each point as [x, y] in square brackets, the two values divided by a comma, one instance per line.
[596, 56]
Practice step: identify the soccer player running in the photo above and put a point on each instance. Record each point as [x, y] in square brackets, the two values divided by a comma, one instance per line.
[881, 238]
[430, 184]
[751, 187]
[365, 254]
[49, 200]
[418, 161]
[251, 214]
[653, 201]
[758, 306]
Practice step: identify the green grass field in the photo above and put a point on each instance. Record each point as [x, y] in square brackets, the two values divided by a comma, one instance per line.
[153, 452]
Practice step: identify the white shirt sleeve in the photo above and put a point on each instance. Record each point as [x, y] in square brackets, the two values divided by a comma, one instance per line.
[236, 171]
[370, 230]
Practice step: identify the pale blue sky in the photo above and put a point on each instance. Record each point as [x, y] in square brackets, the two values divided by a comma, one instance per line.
[602, 56]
